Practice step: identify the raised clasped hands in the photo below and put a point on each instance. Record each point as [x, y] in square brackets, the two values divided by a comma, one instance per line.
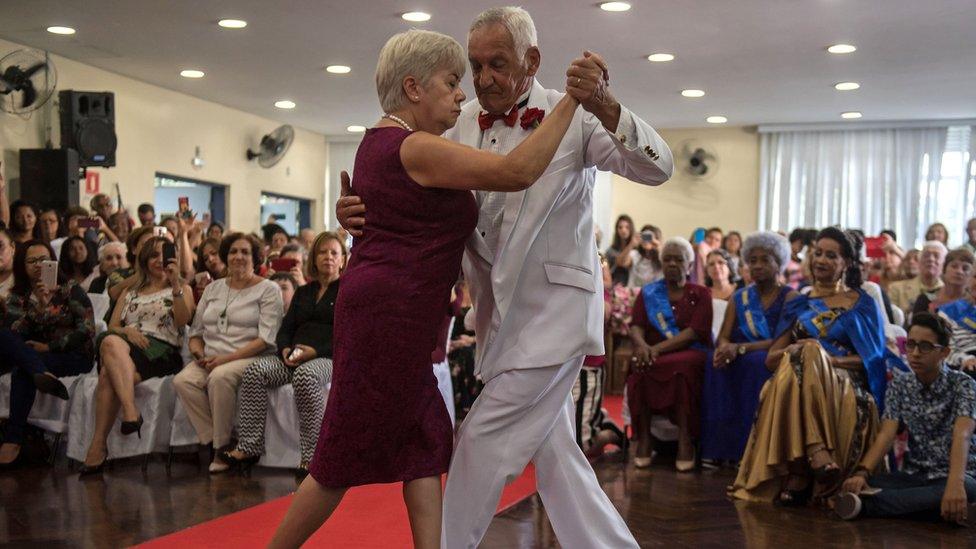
[588, 81]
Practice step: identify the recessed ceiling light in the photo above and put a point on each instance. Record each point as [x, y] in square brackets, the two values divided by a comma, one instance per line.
[355, 129]
[842, 48]
[693, 93]
[716, 120]
[285, 104]
[232, 23]
[191, 73]
[850, 115]
[660, 57]
[60, 30]
[615, 6]
[338, 69]
[416, 16]
[846, 86]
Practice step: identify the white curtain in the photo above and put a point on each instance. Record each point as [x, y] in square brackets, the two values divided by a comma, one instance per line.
[865, 179]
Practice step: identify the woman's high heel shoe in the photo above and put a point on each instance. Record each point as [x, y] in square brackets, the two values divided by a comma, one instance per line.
[129, 427]
[50, 385]
[242, 464]
[91, 470]
[685, 466]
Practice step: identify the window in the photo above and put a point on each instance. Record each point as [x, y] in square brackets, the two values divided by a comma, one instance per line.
[207, 200]
[952, 197]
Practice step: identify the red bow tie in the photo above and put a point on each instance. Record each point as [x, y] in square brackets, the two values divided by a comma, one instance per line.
[486, 120]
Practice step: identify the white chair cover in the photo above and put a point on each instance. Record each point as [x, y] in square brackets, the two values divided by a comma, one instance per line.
[49, 412]
[155, 399]
[442, 371]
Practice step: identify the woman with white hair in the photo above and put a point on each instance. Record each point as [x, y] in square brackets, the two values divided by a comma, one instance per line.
[385, 420]
[672, 333]
[738, 372]
[111, 257]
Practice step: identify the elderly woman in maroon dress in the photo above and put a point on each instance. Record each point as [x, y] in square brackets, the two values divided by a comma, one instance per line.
[385, 420]
[671, 332]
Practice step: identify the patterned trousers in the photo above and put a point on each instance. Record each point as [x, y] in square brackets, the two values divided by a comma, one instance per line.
[308, 380]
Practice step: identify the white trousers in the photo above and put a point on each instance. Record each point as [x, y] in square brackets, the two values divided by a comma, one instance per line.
[522, 416]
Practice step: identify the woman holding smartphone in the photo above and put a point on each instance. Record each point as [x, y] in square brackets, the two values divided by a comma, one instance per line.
[143, 342]
[47, 333]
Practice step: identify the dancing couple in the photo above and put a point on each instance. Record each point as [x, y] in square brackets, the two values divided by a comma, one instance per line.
[530, 156]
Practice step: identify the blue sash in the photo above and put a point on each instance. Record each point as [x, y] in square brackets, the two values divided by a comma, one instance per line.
[962, 312]
[659, 309]
[752, 318]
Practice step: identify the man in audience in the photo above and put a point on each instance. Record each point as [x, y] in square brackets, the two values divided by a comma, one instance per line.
[970, 236]
[938, 407]
[904, 293]
[147, 215]
[306, 237]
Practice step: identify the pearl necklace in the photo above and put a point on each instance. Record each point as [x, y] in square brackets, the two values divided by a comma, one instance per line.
[399, 121]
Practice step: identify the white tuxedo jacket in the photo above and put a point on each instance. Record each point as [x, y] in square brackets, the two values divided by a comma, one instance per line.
[539, 301]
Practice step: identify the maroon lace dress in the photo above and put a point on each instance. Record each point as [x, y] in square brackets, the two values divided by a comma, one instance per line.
[385, 420]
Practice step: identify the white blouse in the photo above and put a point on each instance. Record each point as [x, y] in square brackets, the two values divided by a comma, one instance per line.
[152, 314]
[228, 319]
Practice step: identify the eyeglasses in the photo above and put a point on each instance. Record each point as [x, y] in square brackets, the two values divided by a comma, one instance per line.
[923, 347]
[36, 260]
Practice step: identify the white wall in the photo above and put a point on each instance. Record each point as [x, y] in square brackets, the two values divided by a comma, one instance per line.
[158, 130]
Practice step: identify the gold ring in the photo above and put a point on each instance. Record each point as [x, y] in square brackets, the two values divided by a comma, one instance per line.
[578, 80]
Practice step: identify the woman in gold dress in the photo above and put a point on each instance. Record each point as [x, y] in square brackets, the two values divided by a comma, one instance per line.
[819, 412]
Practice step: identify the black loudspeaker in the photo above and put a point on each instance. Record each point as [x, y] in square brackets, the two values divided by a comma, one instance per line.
[49, 178]
[88, 126]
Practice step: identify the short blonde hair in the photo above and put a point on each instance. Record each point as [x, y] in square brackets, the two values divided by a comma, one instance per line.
[417, 53]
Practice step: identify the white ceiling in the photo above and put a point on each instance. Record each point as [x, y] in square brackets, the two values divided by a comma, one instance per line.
[759, 61]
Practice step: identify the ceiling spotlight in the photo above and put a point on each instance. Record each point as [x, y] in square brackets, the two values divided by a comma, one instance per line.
[416, 16]
[338, 69]
[191, 73]
[355, 129]
[716, 120]
[615, 6]
[851, 115]
[232, 23]
[285, 104]
[842, 48]
[692, 93]
[660, 57]
[60, 30]
[846, 86]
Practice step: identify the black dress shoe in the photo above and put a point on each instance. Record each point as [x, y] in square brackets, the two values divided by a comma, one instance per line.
[51, 385]
[91, 470]
[129, 427]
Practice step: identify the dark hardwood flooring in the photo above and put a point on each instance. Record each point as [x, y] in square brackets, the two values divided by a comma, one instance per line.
[48, 507]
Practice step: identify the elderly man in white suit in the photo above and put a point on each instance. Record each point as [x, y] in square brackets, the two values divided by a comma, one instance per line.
[536, 286]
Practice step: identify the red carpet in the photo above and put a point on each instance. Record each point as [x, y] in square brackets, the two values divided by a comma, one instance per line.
[368, 517]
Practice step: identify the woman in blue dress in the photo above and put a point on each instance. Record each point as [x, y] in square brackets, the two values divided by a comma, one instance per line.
[738, 368]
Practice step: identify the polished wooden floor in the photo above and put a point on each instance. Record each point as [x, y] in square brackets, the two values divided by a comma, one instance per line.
[48, 507]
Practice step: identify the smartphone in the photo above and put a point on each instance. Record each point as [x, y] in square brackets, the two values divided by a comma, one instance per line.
[202, 279]
[647, 236]
[874, 247]
[169, 252]
[49, 274]
[87, 223]
[283, 264]
[184, 207]
[160, 232]
[698, 236]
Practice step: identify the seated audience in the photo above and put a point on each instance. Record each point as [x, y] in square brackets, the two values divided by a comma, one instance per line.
[306, 237]
[928, 282]
[644, 261]
[78, 261]
[7, 248]
[961, 316]
[125, 277]
[296, 253]
[625, 240]
[891, 265]
[937, 232]
[47, 333]
[910, 264]
[172, 225]
[732, 243]
[732, 385]
[209, 267]
[23, 222]
[304, 359]
[956, 273]
[801, 240]
[275, 238]
[50, 223]
[236, 321]
[147, 215]
[143, 341]
[970, 243]
[718, 274]
[120, 224]
[288, 286]
[712, 241]
[111, 257]
[819, 412]
[938, 407]
[671, 333]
